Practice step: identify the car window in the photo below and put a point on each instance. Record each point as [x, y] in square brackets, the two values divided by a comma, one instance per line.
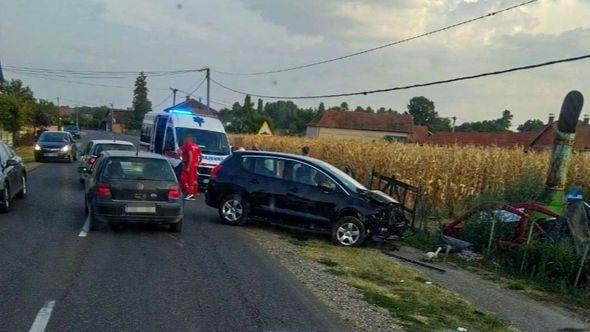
[269, 167]
[4, 155]
[53, 137]
[305, 174]
[130, 168]
[96, 165]
[248, 163]
[112, 147]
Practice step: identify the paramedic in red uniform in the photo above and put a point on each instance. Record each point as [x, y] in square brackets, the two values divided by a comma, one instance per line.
[191, 156]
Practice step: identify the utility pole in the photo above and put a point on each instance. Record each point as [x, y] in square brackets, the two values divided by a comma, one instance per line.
[112, 119]
[174, 91]
[208, 76]
[454, 120]
[77, 116]
[58, 115]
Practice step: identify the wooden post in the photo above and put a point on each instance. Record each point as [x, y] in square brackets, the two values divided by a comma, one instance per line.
[528, 241]
[581, 265]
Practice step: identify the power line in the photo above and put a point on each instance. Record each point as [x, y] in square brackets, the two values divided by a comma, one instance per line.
[163, 101]
[48, 77]
[375, 48]
[406, 87]
[90, 74]
[195, 89]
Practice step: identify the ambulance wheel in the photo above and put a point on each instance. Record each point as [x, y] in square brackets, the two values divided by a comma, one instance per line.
[233, 210]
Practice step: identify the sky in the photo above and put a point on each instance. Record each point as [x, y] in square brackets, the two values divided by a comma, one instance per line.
[260, 35]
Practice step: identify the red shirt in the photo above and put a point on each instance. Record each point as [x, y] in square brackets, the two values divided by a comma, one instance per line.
[188, 150]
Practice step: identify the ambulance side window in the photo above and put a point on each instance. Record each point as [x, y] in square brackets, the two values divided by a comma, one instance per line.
[169, 140]
[146, 133]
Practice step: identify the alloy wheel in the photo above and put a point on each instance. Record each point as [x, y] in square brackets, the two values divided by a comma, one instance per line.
[6, 196]
[24, 186]
[348, 234]
[232, 210]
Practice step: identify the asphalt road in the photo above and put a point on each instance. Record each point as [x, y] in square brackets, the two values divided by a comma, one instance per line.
[210, 277]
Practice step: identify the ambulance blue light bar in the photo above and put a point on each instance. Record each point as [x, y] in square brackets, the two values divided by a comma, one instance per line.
[173, 111]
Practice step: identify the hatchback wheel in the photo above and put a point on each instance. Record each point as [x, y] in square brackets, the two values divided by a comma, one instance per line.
[23, 192]
[177, 227]
[349, 231]
[233, 210]
[5, 204]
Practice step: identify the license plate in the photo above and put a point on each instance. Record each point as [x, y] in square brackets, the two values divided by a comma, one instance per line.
[140, 209]
[50, 154]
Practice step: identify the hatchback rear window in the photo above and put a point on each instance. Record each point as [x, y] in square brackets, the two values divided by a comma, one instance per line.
[110, 147]
[129, 168]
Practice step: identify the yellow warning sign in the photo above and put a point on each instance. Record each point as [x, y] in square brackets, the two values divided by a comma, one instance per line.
[265, 129]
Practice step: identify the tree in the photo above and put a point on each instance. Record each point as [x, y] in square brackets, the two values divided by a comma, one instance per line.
[498, 125]
[15, 103]
[43, 114]
[260, 106]
[344, 106]
[141, 103]
[424, 113]
[530, 125]
[321, 109]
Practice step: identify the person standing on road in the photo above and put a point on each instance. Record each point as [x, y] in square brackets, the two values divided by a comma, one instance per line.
[191, 156]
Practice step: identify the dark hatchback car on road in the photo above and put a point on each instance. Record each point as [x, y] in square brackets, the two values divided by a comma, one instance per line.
[73, 130]
[130, 187]
[301, 192]
[55, 145]
[13, 177]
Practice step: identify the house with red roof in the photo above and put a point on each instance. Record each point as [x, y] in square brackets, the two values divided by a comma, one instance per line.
[340, 124]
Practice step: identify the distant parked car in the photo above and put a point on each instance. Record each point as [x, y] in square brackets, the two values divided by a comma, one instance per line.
[13, 177]
[131, 187]
[74, 130]
[301, 192]
[95, 147]
[55, 145]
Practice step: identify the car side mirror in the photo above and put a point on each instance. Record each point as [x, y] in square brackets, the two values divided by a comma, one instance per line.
[324, 186]
[11, 162]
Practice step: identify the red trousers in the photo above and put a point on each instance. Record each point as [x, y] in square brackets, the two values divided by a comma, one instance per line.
[188, 181]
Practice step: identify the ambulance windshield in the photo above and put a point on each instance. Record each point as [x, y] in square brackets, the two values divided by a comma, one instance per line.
[210, 141]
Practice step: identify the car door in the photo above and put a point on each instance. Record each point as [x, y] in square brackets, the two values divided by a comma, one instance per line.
[307, 200]
[266, 186]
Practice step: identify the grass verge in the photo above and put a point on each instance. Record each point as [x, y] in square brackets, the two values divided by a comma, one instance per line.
[28, 155]
[420, 306]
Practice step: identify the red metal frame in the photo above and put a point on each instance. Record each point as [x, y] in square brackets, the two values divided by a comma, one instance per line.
[453, 227]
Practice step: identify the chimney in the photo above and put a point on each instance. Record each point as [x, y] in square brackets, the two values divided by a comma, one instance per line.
[586, 119]
[551, 118]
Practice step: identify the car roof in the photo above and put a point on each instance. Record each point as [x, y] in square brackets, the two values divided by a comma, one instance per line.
[55, 131]
[107, 141]
[138, 154]
[277, 154]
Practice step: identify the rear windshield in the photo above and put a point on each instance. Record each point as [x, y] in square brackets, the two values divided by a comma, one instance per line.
[110, 147]
[53, 137]
[131, 168]
[72, 128]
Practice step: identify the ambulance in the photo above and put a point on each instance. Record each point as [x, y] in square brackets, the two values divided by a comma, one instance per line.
[162, 132]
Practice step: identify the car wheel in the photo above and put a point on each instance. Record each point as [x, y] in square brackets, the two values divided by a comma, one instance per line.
[81, 180]
[23, 192]
[233, 210]
[349, 231]
[6, 202]
[116, 226]
[176, 228]
[37, 159]
[70, 159]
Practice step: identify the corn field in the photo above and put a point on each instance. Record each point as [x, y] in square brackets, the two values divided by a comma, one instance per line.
[448, 175]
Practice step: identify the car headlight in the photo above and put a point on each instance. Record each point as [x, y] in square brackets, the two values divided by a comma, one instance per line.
[37, 147]
[66, 148]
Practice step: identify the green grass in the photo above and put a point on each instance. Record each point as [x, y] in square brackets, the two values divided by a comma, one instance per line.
[26, 152]
[400, 290]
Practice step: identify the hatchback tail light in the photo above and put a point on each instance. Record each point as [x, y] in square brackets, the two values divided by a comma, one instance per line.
[173, 193]
[103, 190]
[215, 170]
[91, 160]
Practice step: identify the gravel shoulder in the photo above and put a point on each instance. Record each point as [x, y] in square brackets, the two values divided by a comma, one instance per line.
[343, 300]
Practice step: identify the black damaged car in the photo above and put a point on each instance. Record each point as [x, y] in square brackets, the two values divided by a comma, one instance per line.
[303, 193]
